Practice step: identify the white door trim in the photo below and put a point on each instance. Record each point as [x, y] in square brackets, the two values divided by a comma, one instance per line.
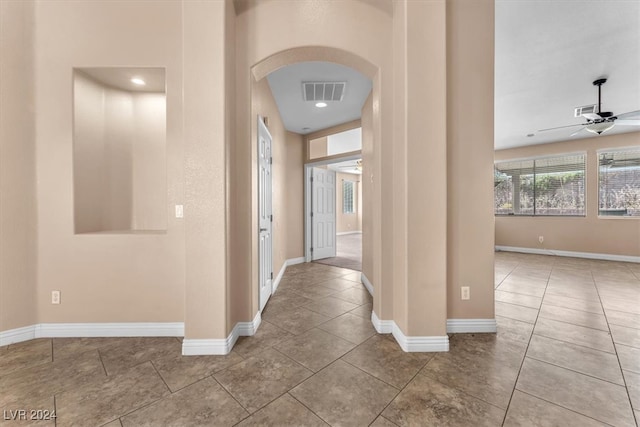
[265, 225]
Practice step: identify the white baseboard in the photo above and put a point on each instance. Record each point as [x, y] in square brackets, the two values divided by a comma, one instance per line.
[83, 330]
[276, 282]
[12, 336]
[92, 330]
[381, 326]
[287, 263]
[588, 255]
[199, 347]
[220, 346]
[408, 343]
[367, 284]
[344, 233]
[294, 261]
[469, 326]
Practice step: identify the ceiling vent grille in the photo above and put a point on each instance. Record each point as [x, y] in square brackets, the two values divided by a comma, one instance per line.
[587, 109]
[323, 91]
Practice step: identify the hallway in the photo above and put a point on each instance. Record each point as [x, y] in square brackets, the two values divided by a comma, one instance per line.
[568, 342]
[348, 252]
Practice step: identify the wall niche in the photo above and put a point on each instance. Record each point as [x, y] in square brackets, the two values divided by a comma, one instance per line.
[119, 150]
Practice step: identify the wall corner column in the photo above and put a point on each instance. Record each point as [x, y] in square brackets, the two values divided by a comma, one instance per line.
[205, 197]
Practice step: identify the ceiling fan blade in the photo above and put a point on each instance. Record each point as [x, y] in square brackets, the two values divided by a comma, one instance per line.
[578, 131]
[628, 122]
[562, 127]
[591, 116]
[629, 114]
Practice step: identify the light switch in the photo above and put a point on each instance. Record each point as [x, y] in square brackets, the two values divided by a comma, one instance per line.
[179, 211]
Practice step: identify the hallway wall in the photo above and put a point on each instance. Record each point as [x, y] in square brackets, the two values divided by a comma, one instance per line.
[18, 242]
[294, 191]
[470, 231]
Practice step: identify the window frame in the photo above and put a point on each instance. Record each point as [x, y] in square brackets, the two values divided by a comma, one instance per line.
[597, 162]
[353, 197]
[546, 157]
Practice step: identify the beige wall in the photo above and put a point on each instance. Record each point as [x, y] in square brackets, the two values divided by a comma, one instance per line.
[106, 278]
[470, 230]
[18, 236]
[318, 148]
[367, 190]
[294, 190]
[206, 143]
[617, 236]
[348, 222]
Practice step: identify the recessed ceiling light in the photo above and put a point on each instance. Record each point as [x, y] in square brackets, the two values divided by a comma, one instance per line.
[138, 81]
[321, 104]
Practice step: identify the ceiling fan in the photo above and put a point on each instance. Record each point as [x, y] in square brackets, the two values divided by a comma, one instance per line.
[611, 161]
[356, 167]
[600, 121]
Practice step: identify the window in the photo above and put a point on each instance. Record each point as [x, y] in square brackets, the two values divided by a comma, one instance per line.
[546, 186]
[619, 183]
[347, 197]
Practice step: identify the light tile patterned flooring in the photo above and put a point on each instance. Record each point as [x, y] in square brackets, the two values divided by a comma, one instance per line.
[567, 353]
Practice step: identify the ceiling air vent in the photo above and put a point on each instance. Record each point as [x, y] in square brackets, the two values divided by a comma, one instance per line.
[323, 91]
[587, 109]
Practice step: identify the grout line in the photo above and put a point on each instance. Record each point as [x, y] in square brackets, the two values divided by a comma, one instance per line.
[519, 305]
[234, 398]
[615, 349]
[309, 409]
[563, 407]
[104, 368]
[163, 381]
[572, 343]
[584, 311]
[573, 370]
[466, 393]
[573, 324]
[525, 353]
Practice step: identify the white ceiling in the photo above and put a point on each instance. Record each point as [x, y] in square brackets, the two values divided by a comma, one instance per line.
[120, 77]
[304, 117]
[548, 53]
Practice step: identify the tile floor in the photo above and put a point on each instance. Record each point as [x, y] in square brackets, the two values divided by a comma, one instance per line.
[567, 353]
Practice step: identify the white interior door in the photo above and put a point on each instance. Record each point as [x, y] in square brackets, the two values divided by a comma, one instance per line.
[323, 213]
[265, 216]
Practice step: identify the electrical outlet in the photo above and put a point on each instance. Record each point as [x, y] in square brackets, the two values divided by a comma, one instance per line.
[55, 297]
[465, 293]
[541, 239]
[179, 211]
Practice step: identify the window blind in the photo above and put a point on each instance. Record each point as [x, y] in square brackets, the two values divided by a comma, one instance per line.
[619, 183]
[545, 186]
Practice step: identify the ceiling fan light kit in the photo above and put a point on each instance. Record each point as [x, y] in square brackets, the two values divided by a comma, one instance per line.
[599, 128]
[600, 121]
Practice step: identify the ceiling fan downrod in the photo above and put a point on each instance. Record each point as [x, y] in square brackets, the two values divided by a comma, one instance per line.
[599, 83]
